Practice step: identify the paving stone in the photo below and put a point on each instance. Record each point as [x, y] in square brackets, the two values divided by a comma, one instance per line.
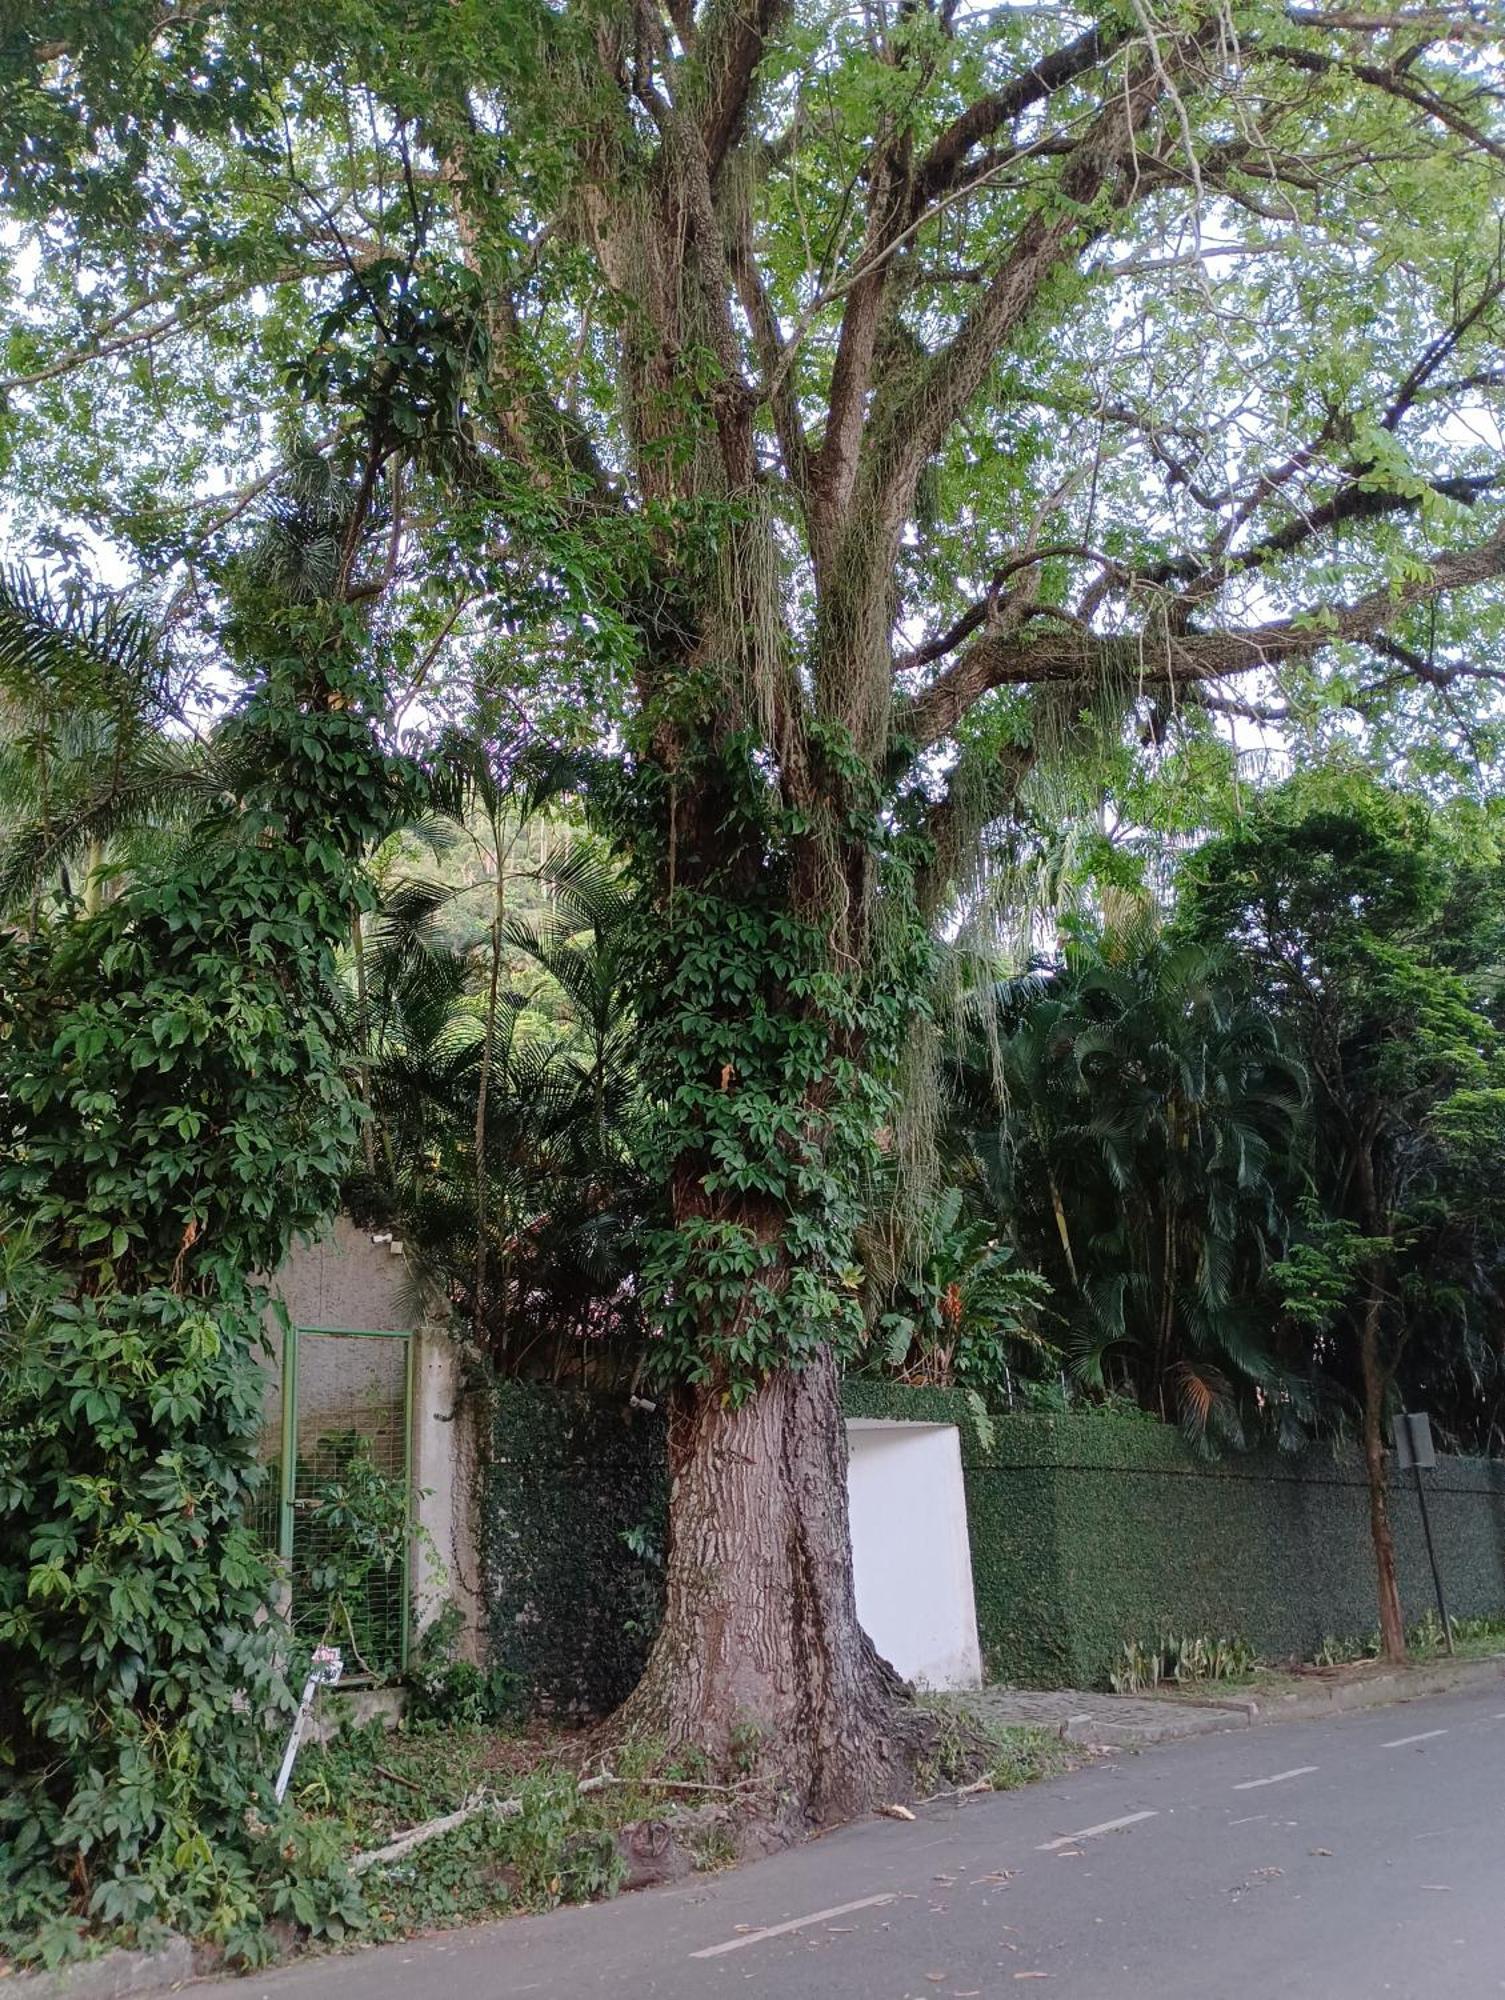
[1082, 1715]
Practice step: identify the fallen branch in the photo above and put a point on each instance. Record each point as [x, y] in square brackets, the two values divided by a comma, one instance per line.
[396, 1778]
[486, 1802]
[982, 1784]
[671, 1785]
[435, 1829]
[417, 1836]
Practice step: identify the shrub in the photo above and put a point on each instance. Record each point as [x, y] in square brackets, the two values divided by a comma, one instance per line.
[172, 1111]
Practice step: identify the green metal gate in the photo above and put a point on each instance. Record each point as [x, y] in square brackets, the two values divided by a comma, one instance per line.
[338, 1438]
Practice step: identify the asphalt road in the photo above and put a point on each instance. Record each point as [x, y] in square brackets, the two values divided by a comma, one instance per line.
[1333, 1860]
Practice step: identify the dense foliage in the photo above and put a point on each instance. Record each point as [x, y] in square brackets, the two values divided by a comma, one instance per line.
[173, 1110]
[497, 1056]
[1136, 1121]
[844, 424]
[1371, 928]
[1174, 1119]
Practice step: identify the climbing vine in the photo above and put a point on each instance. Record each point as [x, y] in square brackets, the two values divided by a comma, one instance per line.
[774, 1038]
[173, 1111]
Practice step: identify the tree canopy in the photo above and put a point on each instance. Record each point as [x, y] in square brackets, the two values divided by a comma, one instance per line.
[845, 430]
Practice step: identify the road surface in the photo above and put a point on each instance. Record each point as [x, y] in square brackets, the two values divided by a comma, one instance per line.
[1335, 1860]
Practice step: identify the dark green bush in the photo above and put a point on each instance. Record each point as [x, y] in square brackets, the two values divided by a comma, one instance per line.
[173, 1110]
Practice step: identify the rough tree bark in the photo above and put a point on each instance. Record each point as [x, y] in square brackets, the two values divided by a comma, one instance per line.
[760, 1651]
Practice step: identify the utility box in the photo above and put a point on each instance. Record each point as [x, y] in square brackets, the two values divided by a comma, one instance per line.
[1412, 1431]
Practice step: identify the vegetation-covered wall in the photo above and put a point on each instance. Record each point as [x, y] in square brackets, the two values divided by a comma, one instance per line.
[571, 1531]
[1086, 1530]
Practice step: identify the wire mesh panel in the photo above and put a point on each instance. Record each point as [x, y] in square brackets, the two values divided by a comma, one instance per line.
[340, 1456]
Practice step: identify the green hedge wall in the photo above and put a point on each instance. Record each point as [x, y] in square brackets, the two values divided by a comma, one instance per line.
[570, 1608]
[1091, 1529]
[1086, 1530]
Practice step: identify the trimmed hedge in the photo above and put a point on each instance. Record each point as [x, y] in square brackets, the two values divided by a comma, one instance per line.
[1086, 1530]
[1091, 1529]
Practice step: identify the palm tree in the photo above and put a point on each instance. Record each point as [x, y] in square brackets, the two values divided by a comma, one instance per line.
[98, 770]
[507, 1148]
[1136, 1122]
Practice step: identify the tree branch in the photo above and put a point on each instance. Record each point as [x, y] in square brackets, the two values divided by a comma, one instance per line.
[983, 610]
[908, 430]
[945, 163]
[778, 381]
[972, 796]
[1162, 656]
[1394, 84]
[732, 38]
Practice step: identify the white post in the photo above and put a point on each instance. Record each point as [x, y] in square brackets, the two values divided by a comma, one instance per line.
[325, 1670]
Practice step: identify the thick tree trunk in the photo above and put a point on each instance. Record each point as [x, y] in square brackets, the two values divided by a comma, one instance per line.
[760, 1654]
[1392, 1621]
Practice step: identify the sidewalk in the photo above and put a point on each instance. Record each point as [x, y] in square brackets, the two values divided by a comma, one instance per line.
[1132, 1722]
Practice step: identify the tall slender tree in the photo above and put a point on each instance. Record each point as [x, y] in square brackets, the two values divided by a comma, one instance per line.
[1337, 893]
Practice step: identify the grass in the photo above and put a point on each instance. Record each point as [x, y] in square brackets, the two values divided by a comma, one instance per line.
[368, 1785]
[1024, 1756]
[1006, 1755]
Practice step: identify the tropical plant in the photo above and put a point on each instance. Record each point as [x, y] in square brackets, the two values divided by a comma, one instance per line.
[97, 770]
[966, 1317]
[1372, 926]
[1182, 1660]
[173, 1109]
[506, 1141]
[1136, 1118]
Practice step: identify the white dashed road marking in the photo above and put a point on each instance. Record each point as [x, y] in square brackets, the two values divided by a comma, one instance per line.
[1253, 1784]
[1426, 1736]
[795, 1924]
[1091, 1832]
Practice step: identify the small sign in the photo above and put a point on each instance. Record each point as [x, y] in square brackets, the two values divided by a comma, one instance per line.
[1412, 1432]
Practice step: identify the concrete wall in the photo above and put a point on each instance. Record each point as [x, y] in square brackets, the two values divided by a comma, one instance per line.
[348, 1280]
[1092, 1529]
[447, 1428]
[911, 1559]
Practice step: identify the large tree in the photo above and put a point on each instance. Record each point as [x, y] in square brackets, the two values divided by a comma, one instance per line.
[842, 401]
[1372, 928]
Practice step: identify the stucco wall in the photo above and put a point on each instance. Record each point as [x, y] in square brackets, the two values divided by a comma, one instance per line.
[911, 1560]
[347, 1280]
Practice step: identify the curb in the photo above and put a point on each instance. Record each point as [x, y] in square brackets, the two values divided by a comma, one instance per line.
[1102, 1732]
[1204, 1718]
[1378, 1692]
[111, 1976]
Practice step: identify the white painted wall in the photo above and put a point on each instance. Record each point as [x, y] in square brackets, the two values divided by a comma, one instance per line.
[910, 1555]
[445, 1568]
